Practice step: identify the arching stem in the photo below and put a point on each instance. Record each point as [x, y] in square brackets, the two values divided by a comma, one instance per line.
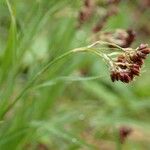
[44, 69]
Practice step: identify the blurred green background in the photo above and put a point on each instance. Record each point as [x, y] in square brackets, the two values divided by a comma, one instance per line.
[74, 105]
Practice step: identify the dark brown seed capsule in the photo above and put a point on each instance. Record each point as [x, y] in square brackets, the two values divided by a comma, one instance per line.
[141, 55]
[145, 51]
[136, 66]
[131, 76]
[130, 38]
[122, 76]
[123, 133]
[127, 79]
[135, 58]
[113, 76]
[117, 76]
[139, 62]
[135, 71]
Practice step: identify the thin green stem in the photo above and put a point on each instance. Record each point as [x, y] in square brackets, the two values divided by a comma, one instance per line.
[29, 85]
[46, 67]
[115, 54]
[106, 43]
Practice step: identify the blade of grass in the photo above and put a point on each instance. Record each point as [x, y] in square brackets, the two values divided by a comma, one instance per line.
[67, 79]
[9, 56]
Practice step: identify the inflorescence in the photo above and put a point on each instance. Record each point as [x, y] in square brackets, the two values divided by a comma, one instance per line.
[125, 65]
[128, 64]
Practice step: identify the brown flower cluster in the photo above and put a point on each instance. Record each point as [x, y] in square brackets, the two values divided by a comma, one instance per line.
[91, 8]
[124, 132]
[103, 20]
[143, 4]
[86, 11]
[128, 65]
[121, 37]
[111, 10]
[129, 38]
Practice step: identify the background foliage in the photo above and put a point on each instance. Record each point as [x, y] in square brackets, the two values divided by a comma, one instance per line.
[73, 105]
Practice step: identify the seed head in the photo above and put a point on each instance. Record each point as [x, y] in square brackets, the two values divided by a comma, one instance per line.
[128, 65]
[121, 37]
[124, 132]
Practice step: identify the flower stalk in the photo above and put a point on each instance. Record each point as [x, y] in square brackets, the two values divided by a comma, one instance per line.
[126, 66]
[44, 69]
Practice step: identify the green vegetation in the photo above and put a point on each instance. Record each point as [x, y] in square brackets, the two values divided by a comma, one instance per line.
[71, 104]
